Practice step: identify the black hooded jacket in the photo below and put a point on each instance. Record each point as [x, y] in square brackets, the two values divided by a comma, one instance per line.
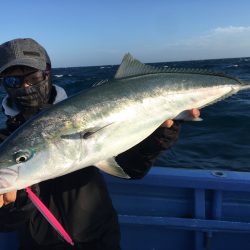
[79, 200]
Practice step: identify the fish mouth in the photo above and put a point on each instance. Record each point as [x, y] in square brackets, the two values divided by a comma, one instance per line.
[8, 177]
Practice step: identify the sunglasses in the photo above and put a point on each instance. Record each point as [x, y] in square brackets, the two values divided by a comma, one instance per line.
[30, 79]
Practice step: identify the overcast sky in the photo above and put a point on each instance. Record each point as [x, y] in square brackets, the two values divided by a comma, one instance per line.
[86, 33]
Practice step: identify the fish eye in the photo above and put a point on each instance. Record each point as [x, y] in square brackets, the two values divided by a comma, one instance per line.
[22, 156]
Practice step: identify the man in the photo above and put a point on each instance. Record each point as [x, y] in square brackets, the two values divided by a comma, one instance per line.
[79, 200]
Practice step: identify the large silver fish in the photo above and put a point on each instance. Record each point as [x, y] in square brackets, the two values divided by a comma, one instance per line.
[92, 127]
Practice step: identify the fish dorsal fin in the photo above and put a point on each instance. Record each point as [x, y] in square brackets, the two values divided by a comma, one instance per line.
[132, 67]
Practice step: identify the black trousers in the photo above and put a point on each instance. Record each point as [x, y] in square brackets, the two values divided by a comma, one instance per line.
[109, 240]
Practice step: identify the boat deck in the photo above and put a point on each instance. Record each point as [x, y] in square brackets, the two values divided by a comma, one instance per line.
[181, 209]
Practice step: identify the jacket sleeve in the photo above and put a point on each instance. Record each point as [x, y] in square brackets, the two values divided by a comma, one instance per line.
[137, 161]
[15, 214]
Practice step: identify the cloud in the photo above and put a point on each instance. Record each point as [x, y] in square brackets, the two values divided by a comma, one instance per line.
[232, 37]
[220, 42]
[231, 30]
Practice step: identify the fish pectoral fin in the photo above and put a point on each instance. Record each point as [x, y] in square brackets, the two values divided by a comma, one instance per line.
[89, 132]
[111, 167]
[85, 134]
[186, 116]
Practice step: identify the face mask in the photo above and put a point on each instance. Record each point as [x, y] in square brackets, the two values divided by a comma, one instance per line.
[33, 98]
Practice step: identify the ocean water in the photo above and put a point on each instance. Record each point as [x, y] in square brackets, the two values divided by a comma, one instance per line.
[220, 141]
